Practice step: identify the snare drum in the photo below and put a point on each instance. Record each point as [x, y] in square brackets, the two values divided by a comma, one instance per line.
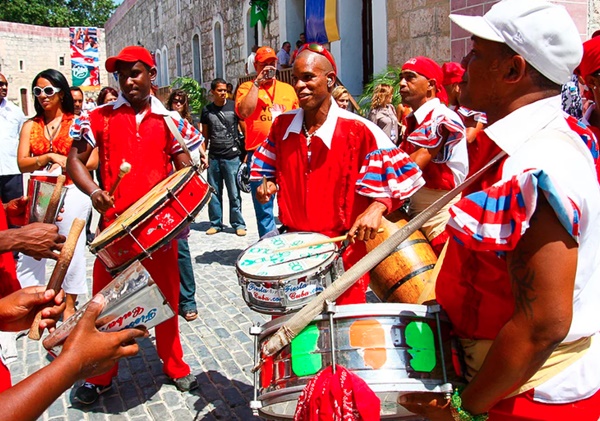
[394, 348]
[153, 220]
[279, 282]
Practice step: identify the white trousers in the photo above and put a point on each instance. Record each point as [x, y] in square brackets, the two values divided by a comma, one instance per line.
[33, 272]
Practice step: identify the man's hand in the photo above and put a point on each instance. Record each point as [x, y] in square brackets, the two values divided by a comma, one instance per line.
[366, 225]
[38, 240]
[102, 201]
[92, 352]
[16, 309]
[16, 211]
[433, 406]
[263, 195]
[267, 74]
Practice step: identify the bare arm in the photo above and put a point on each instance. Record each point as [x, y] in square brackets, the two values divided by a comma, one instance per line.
[249, 102]
[28, 163]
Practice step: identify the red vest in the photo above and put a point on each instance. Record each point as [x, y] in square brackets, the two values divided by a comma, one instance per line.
[146, 148]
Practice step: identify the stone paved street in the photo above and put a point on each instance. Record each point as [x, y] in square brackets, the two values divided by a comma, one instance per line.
[217, 346]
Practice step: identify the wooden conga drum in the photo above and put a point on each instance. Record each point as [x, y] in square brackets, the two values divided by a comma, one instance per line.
[401, 277]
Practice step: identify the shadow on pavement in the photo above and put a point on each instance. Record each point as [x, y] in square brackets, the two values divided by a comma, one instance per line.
[224, 257]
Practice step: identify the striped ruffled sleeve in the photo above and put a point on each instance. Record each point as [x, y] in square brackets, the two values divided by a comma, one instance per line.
[389, 173]
[81, 129]
[430, 134]
[263, 161]
[192, 137]
[496, 218]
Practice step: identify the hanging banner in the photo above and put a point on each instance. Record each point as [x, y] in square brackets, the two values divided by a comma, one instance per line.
[84, 56]
[259, 12]
[321, 21]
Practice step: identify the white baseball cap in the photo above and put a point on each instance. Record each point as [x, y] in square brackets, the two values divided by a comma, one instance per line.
[541, 32]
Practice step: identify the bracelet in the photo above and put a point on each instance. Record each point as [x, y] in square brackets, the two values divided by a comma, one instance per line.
[459, 414]
[255, 83]
[94, 192]
[37, 161]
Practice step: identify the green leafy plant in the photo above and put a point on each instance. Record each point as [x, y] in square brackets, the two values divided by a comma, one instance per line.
[391, 76]
[197, 94]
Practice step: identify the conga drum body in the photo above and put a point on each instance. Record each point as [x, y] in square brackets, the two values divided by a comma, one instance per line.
[152, 221]
[401, 277]
[394, 348]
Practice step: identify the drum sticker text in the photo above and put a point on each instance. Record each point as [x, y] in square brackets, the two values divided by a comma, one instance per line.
[301, 290]
[136, 317]
[261, 293]
[421, 342]
[305, 359]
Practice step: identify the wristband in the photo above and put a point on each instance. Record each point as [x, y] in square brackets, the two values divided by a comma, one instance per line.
[255, 83]
[37, 161]
[94, 192]
[459, 414]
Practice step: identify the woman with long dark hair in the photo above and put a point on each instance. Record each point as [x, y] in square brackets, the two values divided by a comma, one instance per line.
[43, 147]
[107, 95]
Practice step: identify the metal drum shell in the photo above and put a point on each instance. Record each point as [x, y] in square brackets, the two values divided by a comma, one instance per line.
[278, 399]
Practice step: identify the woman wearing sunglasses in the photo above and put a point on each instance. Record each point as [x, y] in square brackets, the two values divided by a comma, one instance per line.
[43, 147]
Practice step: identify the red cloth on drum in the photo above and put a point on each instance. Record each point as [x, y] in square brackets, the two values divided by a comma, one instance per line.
[8, 270]
[164, 270]
[5, 381]
[357, 293]
[342, 396]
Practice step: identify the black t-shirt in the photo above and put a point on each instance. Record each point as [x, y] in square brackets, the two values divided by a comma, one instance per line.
[221, 140]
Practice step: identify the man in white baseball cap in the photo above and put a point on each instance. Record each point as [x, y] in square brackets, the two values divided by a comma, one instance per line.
[521, 277]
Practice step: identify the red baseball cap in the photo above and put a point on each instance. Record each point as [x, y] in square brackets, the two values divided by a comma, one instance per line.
[264, 54]
[431, 70]
[131, 54]
[453, 73]
[590, 62]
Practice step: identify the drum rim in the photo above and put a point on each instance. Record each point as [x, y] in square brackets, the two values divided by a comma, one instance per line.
[188, 173]
[248, 276]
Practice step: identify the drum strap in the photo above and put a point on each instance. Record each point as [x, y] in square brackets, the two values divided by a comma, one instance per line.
[177, 135]
[565, 354]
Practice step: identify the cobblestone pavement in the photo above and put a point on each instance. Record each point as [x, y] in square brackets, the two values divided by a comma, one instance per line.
[217, 346]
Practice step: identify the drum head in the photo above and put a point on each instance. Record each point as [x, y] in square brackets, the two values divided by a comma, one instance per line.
[264, 261]
[143, 207]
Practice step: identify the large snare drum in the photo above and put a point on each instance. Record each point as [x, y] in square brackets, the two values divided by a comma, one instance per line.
[153, 220]
[278, 282]
[394, 348]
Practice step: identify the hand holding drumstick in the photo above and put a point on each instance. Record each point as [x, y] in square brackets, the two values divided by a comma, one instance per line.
[103, 200]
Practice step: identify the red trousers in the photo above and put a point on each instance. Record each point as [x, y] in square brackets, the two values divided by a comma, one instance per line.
[523, 408]
[164, 270]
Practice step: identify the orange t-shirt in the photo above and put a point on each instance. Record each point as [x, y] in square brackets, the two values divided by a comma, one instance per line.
[272, 101]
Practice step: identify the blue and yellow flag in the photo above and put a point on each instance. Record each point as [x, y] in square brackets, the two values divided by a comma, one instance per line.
[321, 21]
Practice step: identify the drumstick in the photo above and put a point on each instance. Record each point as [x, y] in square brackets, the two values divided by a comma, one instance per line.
[58, 274]
[319, 242]
[123, 169]
[50, 216]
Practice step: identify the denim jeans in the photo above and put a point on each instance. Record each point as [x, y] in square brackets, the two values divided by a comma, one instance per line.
[187, 288]
[224, 170]
[264, 211]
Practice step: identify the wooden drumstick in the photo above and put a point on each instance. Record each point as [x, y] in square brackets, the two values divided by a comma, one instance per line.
[319, 242]
[50, 216]
[123, 169]
[58, 274]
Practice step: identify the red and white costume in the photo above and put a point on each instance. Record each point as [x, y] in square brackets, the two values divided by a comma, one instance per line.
[145, 142]
[544, 156]
[327, 182]
[446, 170]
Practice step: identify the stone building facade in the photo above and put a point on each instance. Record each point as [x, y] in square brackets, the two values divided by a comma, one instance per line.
[26, 50]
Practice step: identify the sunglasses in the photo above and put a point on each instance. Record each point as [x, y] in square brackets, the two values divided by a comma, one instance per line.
[3, 84]
[319, 49]
[179, 101]
[48, 91]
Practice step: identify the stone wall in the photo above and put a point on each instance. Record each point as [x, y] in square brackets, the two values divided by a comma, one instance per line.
[162, 25]
[26, 50]
[418, 28]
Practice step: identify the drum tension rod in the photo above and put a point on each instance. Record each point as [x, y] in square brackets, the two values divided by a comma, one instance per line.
[446, 388]
[255, 404]
[127, 229]
[189, 215]
[330, 310]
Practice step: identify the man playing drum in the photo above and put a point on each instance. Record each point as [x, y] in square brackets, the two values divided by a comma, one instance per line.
[521, 277]
[133, 129]
[334, 172]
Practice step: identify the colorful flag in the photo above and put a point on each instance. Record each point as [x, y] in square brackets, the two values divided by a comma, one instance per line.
[259, 12]
[321, 21]
[84, 56]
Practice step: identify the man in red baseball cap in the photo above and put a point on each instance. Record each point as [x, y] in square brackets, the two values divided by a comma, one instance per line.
[435, 139]
[134, 129]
